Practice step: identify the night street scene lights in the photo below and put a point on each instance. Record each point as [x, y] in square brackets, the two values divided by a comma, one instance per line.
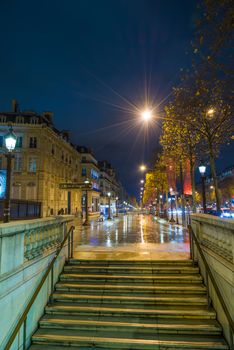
[142, 168]
[10, 143]
[202, 170]
[116, 205]
[210, 113]
[109, 205]
[172, 216]
[86, 222]
[146, 115]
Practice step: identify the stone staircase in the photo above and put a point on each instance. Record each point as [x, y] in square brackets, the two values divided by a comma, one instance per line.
[129, 305]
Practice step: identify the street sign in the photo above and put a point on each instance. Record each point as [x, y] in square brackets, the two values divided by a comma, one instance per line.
[75, 186]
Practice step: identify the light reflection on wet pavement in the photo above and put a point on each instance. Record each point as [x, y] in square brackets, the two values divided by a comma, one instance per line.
[132, 237]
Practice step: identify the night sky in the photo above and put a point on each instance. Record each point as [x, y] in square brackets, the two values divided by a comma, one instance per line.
[92, 62]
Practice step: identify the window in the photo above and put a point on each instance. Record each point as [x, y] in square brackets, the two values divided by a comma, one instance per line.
[32, 142]
[32, 165]
[34, 120]
[95, 204]
[19, 120]
[31, 191]
[18, 163]
[2, 119]
[62, 156]
[16, 191]
[1, 141]
[19, 142]
[83, 172]
[94, 174]
[83, 159]
[53, 149]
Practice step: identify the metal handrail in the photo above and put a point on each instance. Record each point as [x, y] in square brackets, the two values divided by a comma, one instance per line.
[23, 318]
[210, 275]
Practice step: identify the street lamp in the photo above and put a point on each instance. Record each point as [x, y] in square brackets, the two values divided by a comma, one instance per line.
[142, 181]
[172, 216]
[109, 203]
[202, 170]
[210, 113]
[86, 223]
[161, 205]
[116, 204]
[146, 115]
[142, 168]
[10, 142]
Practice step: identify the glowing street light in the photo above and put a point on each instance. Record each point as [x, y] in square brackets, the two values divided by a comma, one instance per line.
[202, 170]
[86, 222]
[109, 205]
[146, 115]
[142, 167]
[210, 112]
[142, 181]
[10, 143]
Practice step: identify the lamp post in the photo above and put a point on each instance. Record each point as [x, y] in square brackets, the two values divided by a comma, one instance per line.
[172, 216]
[161, 206]
[10, 142]
[116, 205]
[202, 170]
[109, 204]
[86, 222]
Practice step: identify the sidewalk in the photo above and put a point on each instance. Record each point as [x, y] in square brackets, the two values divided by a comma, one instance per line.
[132, 237]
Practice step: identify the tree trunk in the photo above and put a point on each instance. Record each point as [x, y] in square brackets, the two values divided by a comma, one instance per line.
[193, 184]
[182, 194]
[215, 180]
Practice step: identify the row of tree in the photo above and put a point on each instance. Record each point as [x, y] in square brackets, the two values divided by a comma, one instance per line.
[199, 118]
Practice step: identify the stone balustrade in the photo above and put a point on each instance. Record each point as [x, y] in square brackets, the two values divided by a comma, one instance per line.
[215, 234]
[26, 249]
[216, 238]
[22, 241]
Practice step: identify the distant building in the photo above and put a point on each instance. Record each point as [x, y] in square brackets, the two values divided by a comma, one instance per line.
[109, 184]
[89, 170]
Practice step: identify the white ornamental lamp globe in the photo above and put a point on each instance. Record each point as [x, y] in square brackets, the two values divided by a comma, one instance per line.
[202, 169]
[10, 140]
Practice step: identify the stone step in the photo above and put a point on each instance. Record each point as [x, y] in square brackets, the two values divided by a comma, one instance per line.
[207, 327]
[103, 340]
[130, 289]
[145, 279]
[130, 269]
[131, 262]
[135, 300]
[124, 311]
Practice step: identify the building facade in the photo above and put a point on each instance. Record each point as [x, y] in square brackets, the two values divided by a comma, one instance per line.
[89, 171]
[110, 188]
[44, 157]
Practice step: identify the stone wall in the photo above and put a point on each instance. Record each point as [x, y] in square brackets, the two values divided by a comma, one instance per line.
[216, 237]
[26, 249]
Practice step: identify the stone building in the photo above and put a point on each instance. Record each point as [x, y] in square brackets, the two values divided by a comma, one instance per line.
[109, 184]
[44, 158]
[89, 170]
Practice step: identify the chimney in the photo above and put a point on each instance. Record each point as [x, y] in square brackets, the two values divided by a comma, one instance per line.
[65, 134]
[15, 106]
[48, 116]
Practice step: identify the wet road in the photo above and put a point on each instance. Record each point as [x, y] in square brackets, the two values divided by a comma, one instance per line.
[132, 237]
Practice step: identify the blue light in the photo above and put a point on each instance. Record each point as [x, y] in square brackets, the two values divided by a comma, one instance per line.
[2, 183]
